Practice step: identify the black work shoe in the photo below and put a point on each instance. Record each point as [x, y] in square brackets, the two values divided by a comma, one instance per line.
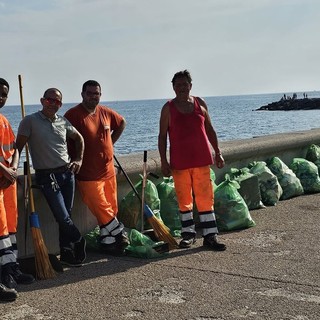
[21, 278]
[210, 241]
[116, 248]
[7, 294]
[122, 240]
[12, 276]
[113, 249]
[187, 241]
[80, 250]
[67, 258]
[8, 281]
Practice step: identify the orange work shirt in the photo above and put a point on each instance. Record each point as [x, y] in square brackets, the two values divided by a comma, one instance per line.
[96, 129]
[7, 139]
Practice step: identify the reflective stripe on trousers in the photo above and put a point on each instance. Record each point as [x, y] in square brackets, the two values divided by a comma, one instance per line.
[6, 253]
[109, 231]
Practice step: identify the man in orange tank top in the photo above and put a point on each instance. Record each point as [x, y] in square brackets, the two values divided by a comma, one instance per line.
[186, 121]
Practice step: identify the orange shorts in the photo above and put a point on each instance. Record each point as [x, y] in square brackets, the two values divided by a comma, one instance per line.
[101, 198]
[194, 182]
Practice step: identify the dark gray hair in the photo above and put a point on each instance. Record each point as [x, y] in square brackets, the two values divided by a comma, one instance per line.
[51, 89]
[182, 74]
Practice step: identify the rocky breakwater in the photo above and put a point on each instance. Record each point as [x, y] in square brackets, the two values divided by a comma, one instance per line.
[292, 104]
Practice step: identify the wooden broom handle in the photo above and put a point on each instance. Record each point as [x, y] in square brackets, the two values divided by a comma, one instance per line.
[31, 199]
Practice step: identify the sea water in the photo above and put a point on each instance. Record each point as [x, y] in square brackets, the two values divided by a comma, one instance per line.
[233, 117]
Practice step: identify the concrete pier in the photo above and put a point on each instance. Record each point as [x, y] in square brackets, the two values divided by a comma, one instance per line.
[270, 271]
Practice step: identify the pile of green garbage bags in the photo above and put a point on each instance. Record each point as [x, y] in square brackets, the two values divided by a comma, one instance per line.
[264, 183]
[260, 184]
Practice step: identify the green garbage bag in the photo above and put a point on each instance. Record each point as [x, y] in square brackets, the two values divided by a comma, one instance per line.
[249, 187]
[129, 212]
[270, 187]
[307, 172]
[231, 211]
[92, 239]
[141, 246]
[235, 173]
[130, 206]
[290, 183]
[169, 209]
[213, 179]
[313, 155]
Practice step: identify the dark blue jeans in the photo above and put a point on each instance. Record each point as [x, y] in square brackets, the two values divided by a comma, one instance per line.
[58, 189]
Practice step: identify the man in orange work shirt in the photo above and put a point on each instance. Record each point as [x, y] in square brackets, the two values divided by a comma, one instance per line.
[186, 120]
[10, 273]
[100, 127]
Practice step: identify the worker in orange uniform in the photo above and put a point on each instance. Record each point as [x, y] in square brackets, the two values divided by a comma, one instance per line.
[11, 274]
[100, 127]
[186, 120]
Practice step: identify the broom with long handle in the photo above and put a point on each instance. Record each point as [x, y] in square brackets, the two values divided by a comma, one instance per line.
[44, 269]
[144, 181]
[160, 229]
[26, 202]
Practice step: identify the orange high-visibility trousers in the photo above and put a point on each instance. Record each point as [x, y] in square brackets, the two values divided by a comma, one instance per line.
[101, 198]
[8, 210]
[194, 182]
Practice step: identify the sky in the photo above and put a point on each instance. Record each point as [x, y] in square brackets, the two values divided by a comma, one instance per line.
[134, 47]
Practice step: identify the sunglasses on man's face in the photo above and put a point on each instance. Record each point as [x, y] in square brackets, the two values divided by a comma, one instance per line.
[4, 95]
[56, 102]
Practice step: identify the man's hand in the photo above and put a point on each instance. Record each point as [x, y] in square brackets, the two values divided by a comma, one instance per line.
[219, 160]
[10, 174]
[165, 169]
[75, 166]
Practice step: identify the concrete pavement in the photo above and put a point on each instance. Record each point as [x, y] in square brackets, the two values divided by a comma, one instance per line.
[270, 271]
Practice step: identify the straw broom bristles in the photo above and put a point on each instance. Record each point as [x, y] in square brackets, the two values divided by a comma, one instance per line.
[161, 231]
[44, 268]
